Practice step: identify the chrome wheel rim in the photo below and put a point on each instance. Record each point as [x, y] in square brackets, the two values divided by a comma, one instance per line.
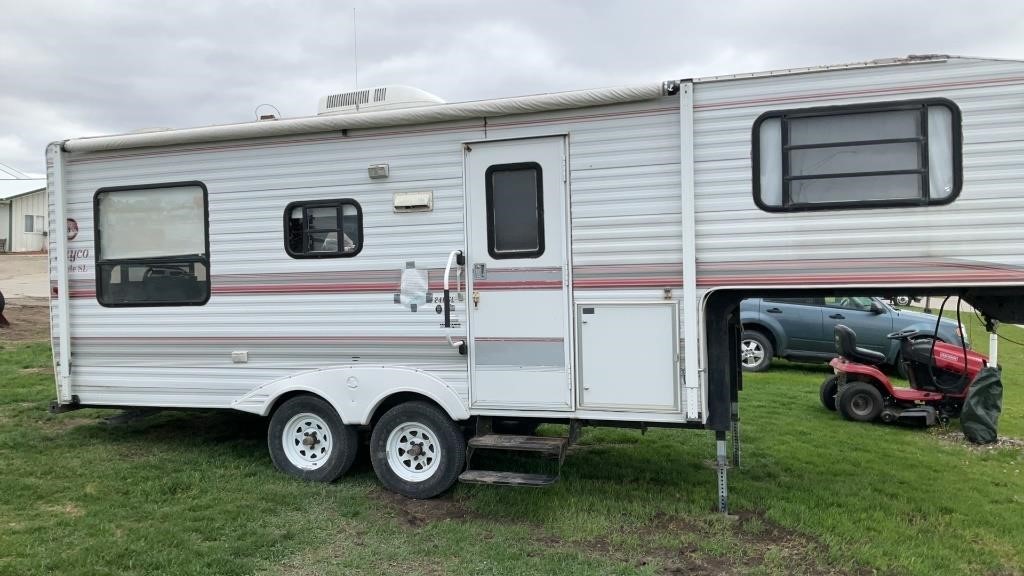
[413, 451]
[307, 441]
[751, 353]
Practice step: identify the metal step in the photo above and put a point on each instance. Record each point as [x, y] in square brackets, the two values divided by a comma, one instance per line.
[506, 478]
[545, 445]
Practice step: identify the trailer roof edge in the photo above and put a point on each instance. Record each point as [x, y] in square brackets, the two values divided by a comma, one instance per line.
[421, 115]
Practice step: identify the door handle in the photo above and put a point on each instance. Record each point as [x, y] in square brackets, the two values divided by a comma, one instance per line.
[837, 316]
[774, 311]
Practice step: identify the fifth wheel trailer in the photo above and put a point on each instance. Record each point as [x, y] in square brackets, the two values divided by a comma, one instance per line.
[430, 271]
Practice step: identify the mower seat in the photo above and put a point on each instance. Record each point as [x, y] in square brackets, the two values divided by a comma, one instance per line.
[846, 346]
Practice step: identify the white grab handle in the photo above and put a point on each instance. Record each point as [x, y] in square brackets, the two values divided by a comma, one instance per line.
[457, 257]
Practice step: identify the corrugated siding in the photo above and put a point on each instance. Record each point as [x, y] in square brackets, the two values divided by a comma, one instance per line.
[29, 205]
[625, 211]
[982, 225]
[182, 355]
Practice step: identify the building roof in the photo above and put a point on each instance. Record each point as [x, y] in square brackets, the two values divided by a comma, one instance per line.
[10, 189]
[14, 183]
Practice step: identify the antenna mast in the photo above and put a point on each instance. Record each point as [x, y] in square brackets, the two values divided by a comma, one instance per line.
[355, 49]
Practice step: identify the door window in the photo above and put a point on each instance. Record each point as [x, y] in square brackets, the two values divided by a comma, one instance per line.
[859, 303]
[515, 210]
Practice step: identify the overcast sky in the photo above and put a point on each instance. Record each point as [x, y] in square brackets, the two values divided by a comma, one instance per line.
[88, 67]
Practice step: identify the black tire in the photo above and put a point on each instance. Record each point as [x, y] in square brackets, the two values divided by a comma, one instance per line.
[902, 300]
[326, 425]
[519, 427]
[447, 440]
[860, 401]
[827, 393]
[753, 343]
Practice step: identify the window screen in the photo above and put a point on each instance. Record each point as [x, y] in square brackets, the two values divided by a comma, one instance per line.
[891, 154]
[515, 210]
[152, 245]
[30, 223]
[323, 229]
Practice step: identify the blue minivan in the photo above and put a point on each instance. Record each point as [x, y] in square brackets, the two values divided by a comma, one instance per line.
[801, 329]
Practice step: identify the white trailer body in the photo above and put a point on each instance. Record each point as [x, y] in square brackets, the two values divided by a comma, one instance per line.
[608, 236]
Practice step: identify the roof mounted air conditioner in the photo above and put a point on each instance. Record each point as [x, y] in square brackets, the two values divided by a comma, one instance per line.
[376, 99]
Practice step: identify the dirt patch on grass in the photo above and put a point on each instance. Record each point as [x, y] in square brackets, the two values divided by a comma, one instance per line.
[67, 509]
[417, 513]
[671, 545]
[741, 545]
[59, 424]
[40, 370]
[959, 439]
[29, 320]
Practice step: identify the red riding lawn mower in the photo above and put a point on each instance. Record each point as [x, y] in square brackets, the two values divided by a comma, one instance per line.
[940, 377]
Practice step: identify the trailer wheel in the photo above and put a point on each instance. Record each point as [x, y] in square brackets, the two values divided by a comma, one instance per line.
[308, 440]
[860, 401]
[417, 450]
[828, 392]
[755, 351]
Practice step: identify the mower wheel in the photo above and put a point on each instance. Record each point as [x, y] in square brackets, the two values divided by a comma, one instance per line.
[860, 401]
[828, 392]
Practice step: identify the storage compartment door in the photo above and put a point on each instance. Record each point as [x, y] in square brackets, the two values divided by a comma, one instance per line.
[629, 356]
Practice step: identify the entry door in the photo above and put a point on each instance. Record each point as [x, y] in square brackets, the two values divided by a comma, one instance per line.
[518, 275]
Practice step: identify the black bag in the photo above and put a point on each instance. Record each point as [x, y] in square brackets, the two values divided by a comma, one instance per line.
[980, 416]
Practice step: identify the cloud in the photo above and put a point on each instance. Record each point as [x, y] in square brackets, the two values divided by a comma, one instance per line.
[106, 66]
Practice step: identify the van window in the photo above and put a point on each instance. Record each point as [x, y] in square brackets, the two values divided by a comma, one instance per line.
[905, 153]
[323, 229]
[152, 245]
[515, 210]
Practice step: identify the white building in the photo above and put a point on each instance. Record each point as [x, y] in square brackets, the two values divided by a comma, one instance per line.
[23, 213]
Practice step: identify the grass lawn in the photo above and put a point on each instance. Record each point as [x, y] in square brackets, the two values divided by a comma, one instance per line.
[195, 493]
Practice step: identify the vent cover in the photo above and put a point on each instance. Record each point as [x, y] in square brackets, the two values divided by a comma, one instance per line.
[348, 99]
[376, 99]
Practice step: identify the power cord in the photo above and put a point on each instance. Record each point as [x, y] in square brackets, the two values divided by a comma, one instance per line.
[1001, 337]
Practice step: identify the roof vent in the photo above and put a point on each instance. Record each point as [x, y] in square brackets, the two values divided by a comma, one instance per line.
[376, 99]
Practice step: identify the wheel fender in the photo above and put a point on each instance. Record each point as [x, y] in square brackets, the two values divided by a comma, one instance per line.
[356, 391]
[872, 375]
[772, 329]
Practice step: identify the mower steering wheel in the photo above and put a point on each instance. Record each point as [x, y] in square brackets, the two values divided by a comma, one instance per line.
[900, 334]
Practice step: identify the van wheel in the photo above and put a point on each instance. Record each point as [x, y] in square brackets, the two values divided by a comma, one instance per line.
[755, 351]
[417, 450]
[860, 401]
[828, 392]
[308, 440]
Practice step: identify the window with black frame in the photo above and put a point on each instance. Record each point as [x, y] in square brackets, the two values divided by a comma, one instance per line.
[515, 210]
[152, 245]
[905, 153]
[323, 229]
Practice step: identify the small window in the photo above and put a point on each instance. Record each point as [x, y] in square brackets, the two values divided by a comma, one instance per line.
[890, 154]
[30, 223]
[798, 301]
[515, 210]
[859, 303]
[152, 245]
[323, 229]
